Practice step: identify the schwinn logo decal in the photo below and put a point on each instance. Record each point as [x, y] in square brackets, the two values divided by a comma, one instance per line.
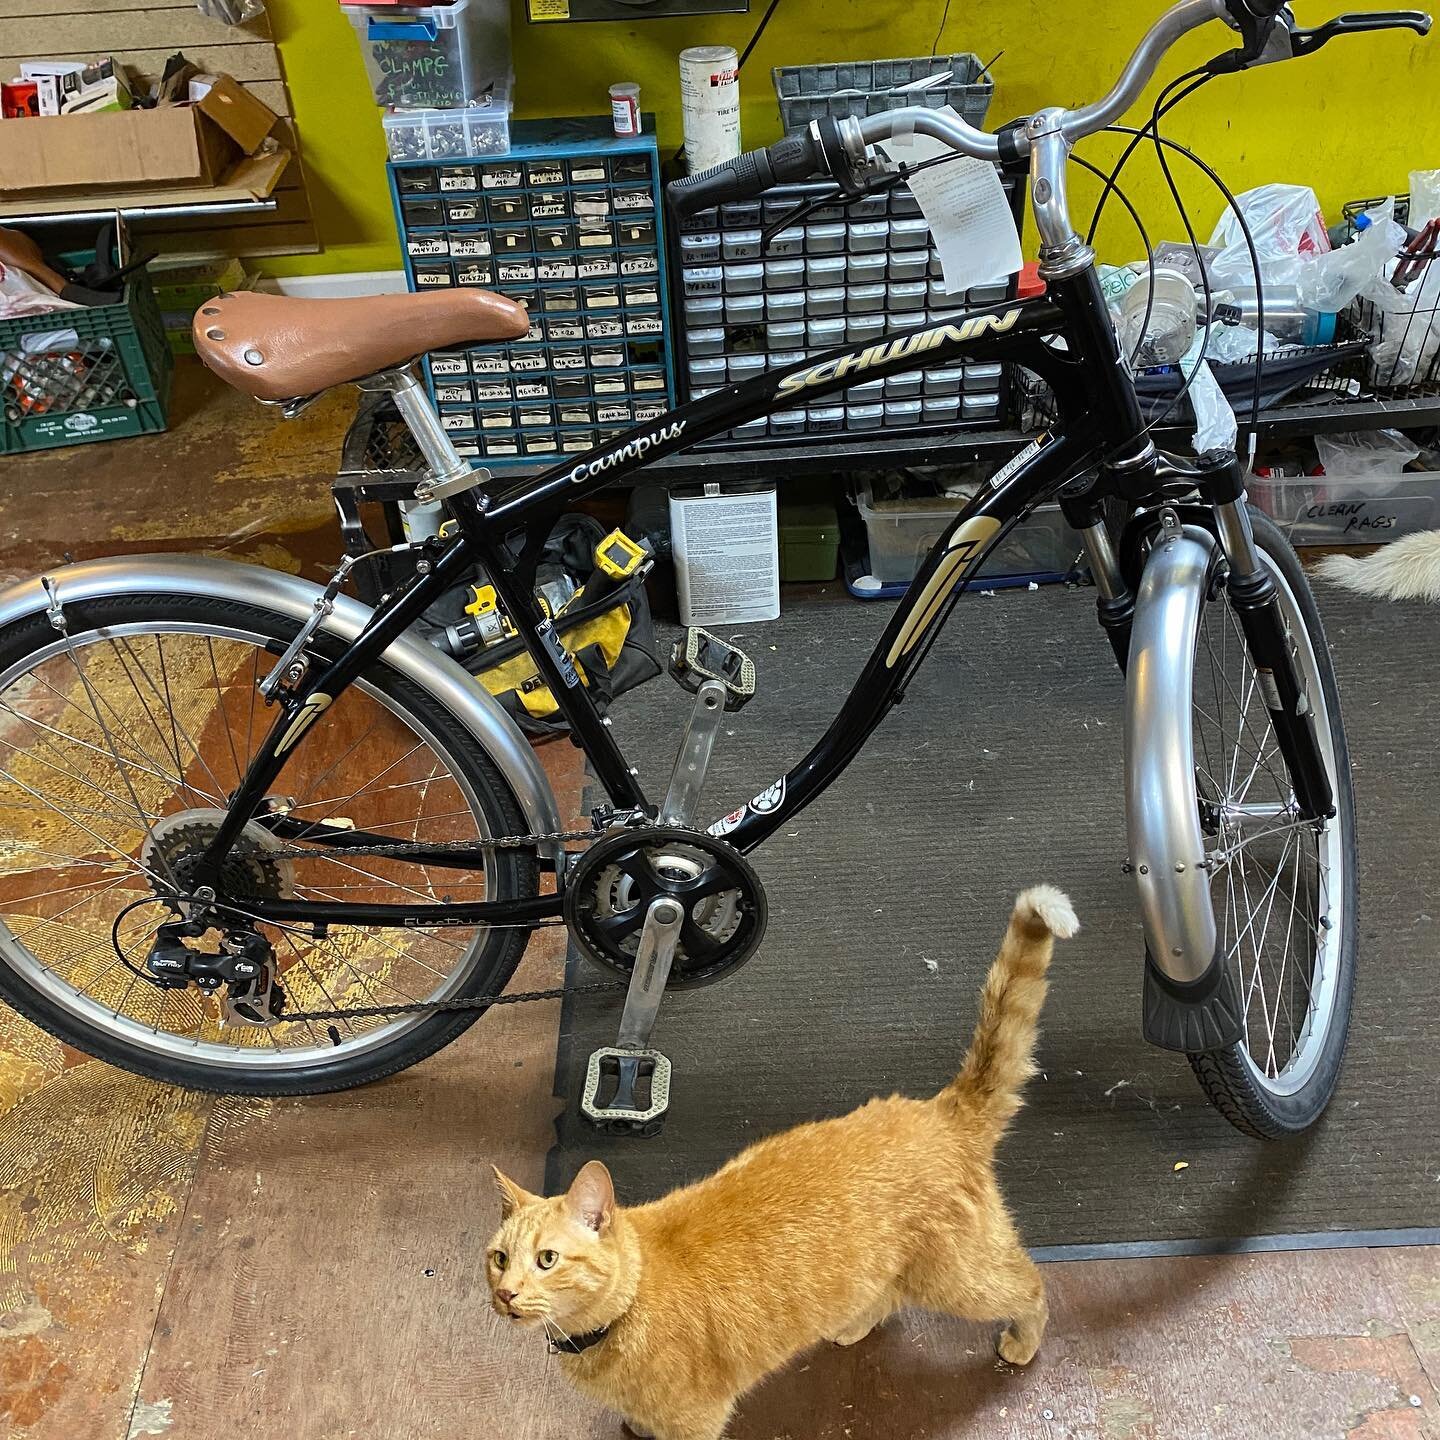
[908, 345]
[634, 450]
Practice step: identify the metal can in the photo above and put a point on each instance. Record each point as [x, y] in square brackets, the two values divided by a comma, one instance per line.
[710, 104]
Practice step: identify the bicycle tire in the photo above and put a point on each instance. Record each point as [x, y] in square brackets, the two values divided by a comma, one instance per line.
[1253, 1102]
[516, 873]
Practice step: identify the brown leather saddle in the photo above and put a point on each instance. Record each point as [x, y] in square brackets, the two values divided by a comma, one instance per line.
[282, 347]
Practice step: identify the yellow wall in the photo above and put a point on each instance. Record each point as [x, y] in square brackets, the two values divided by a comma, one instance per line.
[1352, 121]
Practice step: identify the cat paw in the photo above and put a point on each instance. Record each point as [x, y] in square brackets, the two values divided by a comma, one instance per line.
[1015, 1351]
[853, 1336]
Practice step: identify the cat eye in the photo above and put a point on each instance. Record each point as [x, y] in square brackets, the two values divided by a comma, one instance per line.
[546, 1259]
[499, 1259]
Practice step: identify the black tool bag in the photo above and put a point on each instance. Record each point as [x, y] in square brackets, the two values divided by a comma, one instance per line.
[612, 639]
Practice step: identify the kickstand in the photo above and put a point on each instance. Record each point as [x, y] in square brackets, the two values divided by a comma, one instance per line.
[630, 1061]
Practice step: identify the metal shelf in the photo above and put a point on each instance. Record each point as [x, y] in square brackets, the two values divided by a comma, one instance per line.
[15, 214]
[878, 451]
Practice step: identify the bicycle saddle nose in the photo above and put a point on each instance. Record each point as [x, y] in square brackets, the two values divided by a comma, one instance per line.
[281, 347]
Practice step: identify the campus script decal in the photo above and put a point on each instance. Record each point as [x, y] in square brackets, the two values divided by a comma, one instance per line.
[633, 450]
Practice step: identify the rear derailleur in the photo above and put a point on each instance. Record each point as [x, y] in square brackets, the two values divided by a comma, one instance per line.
[244, 965]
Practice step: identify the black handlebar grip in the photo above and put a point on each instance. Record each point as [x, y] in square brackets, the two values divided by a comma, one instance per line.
[746, 177]
[793, 158]
[742, 178]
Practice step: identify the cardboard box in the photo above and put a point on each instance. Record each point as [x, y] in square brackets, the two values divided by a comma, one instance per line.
[175, 154]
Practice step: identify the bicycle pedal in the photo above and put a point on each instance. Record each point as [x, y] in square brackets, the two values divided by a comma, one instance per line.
[701, 656]
[626, 1091]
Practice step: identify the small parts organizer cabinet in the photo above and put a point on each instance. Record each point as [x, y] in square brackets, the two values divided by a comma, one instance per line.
[567, 223]
[844, 276]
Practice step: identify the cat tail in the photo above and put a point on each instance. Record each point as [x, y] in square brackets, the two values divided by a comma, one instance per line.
[1001, 1053]
[1406, 569]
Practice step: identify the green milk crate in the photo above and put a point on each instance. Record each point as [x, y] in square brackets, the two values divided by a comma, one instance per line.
[71, 377]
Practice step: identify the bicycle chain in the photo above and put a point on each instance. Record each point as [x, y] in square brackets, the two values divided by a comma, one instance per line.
[452, 847]
[473, 1002]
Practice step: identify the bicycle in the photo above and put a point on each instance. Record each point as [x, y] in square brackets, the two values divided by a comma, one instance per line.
[192, 892]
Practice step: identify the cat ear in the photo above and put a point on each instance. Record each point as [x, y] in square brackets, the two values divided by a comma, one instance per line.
[512, 1197]
[591, 1198]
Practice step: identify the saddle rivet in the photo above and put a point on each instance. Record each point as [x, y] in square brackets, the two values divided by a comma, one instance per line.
[210, 310]
[214, 334]
[254, 357]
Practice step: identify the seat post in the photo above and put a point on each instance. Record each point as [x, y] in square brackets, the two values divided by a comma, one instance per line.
[441, 460]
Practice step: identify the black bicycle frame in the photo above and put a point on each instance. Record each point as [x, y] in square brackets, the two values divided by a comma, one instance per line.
[1099, 422]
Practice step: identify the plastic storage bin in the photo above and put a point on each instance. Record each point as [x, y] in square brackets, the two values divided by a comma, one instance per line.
[429, 57]
[870, 87]
[70, 377]
[902, 532]
[1317, 510]
[482, 129]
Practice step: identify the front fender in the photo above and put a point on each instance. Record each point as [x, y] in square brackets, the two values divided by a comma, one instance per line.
[1167, 844]
[437, 674]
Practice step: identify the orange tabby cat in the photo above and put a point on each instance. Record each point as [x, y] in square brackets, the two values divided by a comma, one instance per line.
[670, 1311]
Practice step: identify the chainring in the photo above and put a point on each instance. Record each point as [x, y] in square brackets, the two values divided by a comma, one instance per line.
[610, 889]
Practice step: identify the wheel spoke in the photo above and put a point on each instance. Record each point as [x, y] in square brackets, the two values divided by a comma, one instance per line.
[85, 791]
[1271, 868]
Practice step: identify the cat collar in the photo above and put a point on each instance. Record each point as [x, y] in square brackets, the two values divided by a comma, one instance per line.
[578, 1344]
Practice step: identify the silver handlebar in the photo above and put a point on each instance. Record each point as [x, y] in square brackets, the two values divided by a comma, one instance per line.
[1046, 137]
[1074, 124]
[1173, 25]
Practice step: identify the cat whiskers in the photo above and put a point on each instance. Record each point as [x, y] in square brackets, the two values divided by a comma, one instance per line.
[552, 1324]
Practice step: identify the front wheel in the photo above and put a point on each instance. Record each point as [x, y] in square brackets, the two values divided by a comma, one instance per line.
[1283, 888]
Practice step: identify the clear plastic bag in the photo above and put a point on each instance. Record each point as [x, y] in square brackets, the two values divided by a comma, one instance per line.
[1215, 424]
[1424, 197]
[21, 294]
[1365, 455]
[231, 12]
[1287, 227]
[1329, 283]
[1406, 326]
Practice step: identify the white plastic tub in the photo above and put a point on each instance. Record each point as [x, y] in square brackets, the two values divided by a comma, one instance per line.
[902, 533]
[1318, 510]
[433, 57]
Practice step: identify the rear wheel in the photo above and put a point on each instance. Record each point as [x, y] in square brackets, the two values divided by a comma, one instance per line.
[1283, 888]
[119, 745]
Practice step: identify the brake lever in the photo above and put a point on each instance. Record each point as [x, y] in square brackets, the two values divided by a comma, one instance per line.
[1307, 42]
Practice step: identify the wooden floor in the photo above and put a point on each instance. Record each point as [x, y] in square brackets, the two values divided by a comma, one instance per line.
[176, 1266]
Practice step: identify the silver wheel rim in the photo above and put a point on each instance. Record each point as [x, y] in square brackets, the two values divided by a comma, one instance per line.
[368, 982]
[1279, 886]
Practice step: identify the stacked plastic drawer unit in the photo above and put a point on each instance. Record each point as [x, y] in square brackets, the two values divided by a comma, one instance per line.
[568, 224]
[843, 276]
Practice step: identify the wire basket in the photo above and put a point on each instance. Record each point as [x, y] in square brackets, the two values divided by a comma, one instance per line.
[871, 87]
[379, 445]
[1316, 373]
[1403, 321]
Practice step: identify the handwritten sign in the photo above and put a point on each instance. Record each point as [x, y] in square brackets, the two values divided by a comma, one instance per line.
[417, 74]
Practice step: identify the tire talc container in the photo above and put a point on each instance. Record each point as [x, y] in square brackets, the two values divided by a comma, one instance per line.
[710, 105]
